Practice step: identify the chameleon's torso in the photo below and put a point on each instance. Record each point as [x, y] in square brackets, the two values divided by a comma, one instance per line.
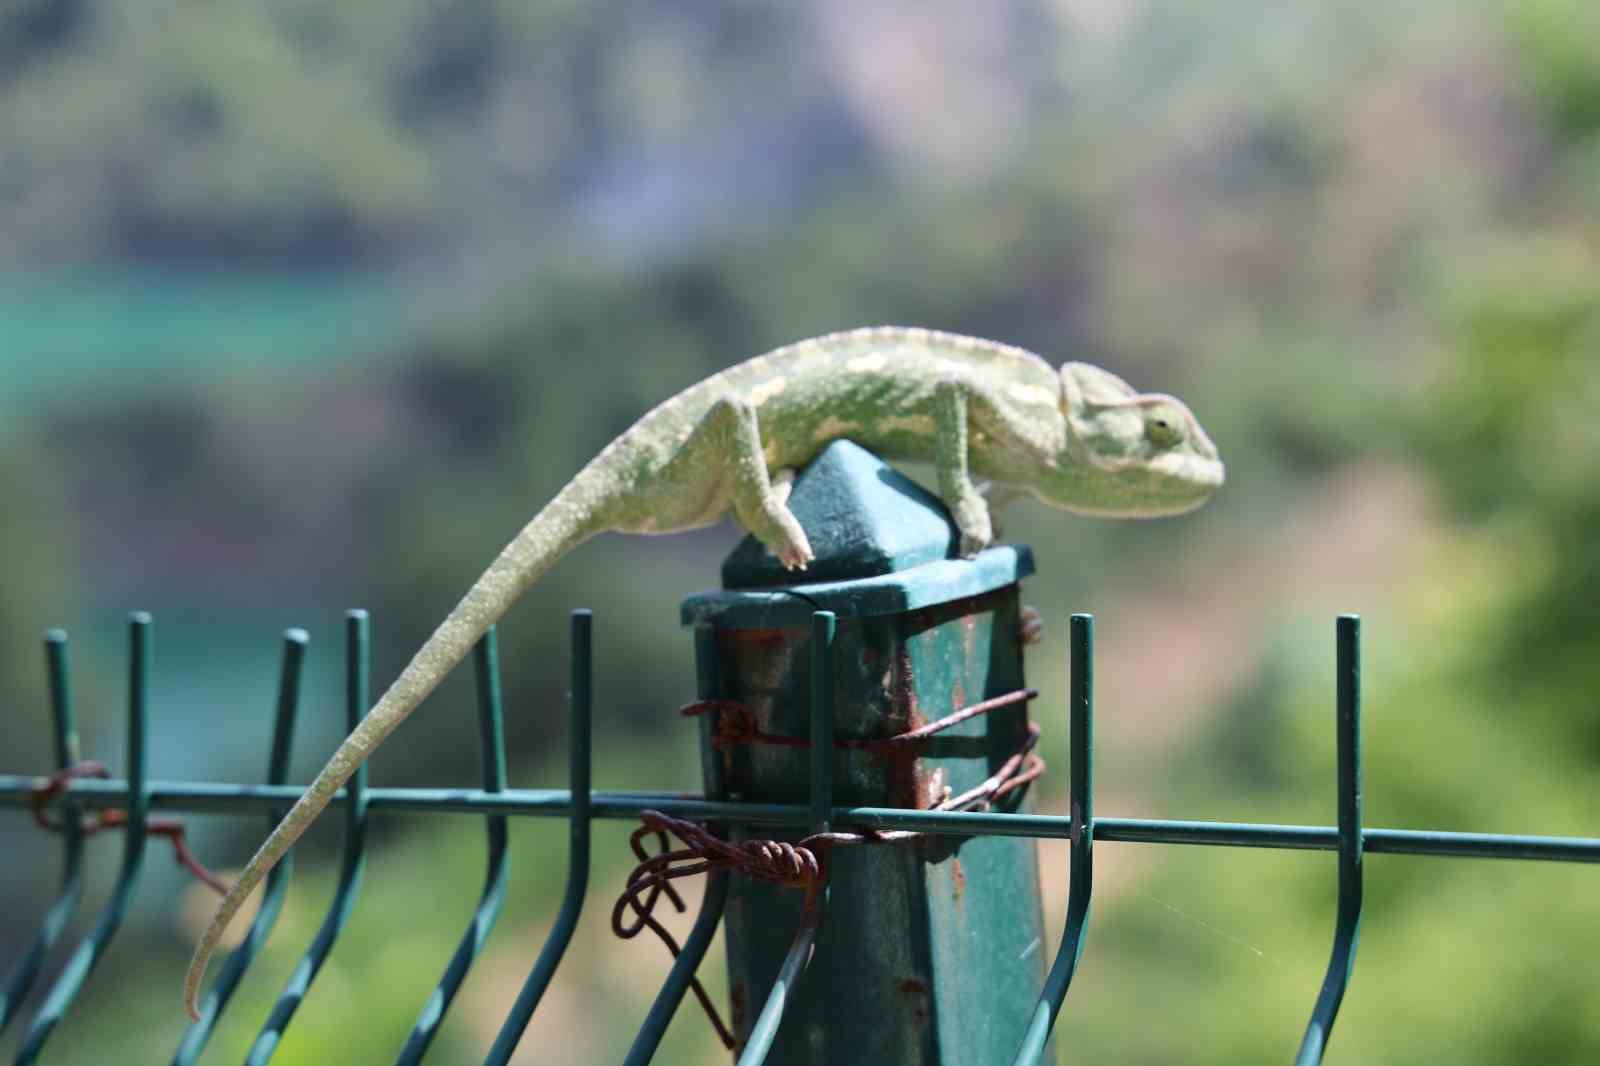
[875, 386]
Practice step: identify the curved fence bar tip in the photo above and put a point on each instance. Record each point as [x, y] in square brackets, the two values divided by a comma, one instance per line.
[765, 1029]
[65, 728]
[491, 732]
[88, 953]
[277, 886]
[357, 687]
[1347, 930]
[1081, 787]
[665, 1005]
[582, 697]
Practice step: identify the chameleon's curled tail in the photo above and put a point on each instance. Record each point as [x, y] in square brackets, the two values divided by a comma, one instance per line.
[572, 517]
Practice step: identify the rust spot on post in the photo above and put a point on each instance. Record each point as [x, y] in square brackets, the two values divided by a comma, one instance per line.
[915, 991]
[905, 714]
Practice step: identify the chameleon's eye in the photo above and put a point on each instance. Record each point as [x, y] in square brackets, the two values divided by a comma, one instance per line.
[1162, 427]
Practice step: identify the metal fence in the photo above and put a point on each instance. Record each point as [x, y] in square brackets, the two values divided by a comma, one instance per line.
[134, 798]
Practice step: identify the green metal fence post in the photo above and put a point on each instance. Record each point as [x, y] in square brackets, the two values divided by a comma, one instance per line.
[930, 953]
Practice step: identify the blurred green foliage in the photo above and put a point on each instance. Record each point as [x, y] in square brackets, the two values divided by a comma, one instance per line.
[1558, 44]
[311, 305]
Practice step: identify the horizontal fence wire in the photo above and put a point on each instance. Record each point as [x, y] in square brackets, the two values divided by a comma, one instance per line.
[1081, 828]
[206, 798]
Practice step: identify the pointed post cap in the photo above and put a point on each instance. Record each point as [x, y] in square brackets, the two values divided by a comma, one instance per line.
[883, 544]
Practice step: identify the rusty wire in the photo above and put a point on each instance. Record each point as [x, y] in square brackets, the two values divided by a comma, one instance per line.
[802, 865]
[736, 724]
[172, 828]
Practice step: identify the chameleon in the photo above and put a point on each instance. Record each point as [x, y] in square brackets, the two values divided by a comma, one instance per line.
[1078, 438]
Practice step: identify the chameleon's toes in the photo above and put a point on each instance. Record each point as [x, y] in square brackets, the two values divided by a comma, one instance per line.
[797, 557]
[972, 518]
[1032, 627]
[975, 538]
[795, 552]
[776, 527]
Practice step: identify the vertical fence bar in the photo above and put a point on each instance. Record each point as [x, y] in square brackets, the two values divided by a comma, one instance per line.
[578, 852]
[1348, 928]
[83, 960]
[704, 929]
[357, 684]
[491, 737]
[1081, 786]
[277, 886]
[765, 1029]
[823, 628]
[65, 728]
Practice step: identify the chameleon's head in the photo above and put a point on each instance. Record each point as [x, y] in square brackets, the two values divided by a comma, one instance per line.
[1129, 454]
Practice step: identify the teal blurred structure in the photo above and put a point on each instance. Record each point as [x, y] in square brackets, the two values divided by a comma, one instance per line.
[925, 950]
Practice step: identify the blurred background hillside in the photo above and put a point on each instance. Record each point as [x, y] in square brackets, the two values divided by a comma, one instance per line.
[306, 306]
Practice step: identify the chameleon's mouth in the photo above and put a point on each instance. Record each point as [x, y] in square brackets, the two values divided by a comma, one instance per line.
[1204, 472]
[1186, 480]
[1171, 484]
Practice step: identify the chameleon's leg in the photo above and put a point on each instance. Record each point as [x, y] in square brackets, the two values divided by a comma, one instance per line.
[757, 505]
[950, 460]
[782, 483]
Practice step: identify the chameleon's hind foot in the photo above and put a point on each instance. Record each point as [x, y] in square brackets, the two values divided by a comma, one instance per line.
[1032, 627]
[783, 484]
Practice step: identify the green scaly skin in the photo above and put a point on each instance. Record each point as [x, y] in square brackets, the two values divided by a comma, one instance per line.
[1079, 439]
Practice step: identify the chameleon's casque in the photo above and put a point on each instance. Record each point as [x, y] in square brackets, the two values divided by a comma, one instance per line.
[1079, 438]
